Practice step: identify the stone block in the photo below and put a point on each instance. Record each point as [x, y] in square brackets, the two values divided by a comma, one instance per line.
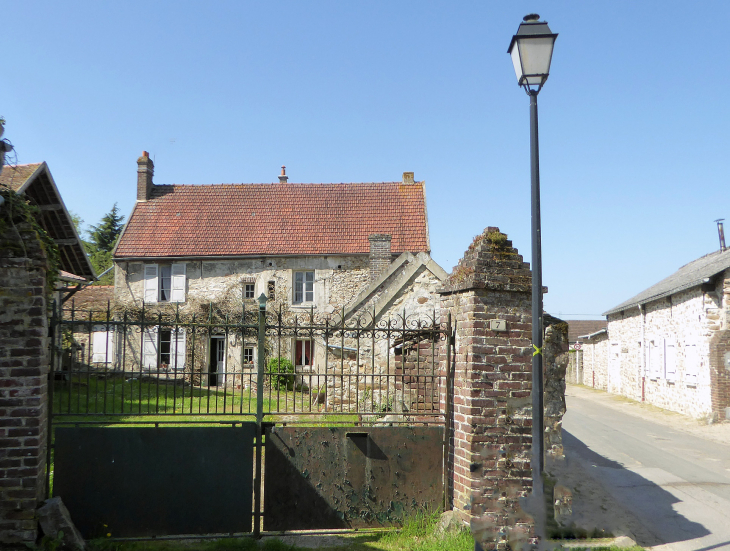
[54, 518]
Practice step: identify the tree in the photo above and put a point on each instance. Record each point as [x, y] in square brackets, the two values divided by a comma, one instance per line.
[103, 237]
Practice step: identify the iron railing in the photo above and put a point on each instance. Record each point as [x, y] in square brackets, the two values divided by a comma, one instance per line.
[122, 365]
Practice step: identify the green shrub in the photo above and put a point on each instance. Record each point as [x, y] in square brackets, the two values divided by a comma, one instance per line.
[281, 373]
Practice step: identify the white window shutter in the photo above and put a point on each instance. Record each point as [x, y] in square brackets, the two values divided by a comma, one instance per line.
[102, 343]
[151, 282]
[177, 358]
[691, 364]
[670, 359]
[178, 282]
[149, 348]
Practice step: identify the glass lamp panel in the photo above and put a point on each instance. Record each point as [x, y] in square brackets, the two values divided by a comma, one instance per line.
[535, 54]
[515, 54]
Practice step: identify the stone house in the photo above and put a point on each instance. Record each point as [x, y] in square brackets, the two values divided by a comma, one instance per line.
[670, 344]
[315, 250]
[579, 332]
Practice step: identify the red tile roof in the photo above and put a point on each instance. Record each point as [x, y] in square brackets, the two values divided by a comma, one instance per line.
[93, 297]
[275, 219]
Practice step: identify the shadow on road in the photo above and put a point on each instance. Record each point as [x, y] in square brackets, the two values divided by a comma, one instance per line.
[628, 502]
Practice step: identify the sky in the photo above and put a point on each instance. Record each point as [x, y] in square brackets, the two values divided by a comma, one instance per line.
[633, 120]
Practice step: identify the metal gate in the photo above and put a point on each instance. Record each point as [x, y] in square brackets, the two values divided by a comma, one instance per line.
[145, 396]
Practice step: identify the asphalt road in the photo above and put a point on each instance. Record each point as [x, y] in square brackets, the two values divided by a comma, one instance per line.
[675, 487]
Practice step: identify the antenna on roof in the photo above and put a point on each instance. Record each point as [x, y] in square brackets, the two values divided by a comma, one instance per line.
[721, 233]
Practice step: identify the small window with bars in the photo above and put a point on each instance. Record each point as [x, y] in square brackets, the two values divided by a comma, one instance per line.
[248, 355]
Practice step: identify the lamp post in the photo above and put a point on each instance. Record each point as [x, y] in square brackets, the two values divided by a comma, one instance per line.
[531, 50]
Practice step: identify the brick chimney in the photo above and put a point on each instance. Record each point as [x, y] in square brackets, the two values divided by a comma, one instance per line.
[380, 256]
[145, 170]
[283, 177]
[408, 178]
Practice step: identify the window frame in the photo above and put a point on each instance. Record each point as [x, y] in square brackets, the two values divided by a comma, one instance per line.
[172, 273]
[303, 284]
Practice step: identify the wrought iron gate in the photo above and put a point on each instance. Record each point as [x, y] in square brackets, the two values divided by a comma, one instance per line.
[380, 385]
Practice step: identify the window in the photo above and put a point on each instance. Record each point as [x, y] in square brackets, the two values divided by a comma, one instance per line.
[248, 290]
[163, 348]
[248, 355]
[164, 282]
[303, 287]
[272, 290]
[303, 353]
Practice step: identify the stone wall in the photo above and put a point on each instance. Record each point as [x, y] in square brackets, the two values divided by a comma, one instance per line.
[490, 437]
[337, 280]
[23, 379]
[555, 363]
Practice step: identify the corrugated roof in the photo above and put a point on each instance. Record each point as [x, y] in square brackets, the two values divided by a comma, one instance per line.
[688, 276]
[15, 176]
[578, 328]
[275, 219]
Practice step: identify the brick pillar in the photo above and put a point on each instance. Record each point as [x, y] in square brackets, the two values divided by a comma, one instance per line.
[23, 378]
[488, 295]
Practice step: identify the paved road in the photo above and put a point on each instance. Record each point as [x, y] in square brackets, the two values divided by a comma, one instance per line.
[676, 485]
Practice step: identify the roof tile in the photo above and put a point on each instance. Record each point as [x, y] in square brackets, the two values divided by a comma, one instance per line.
[275, 219]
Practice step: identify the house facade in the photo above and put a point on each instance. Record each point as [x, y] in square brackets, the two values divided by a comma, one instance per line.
[670, 344]
[316, 251]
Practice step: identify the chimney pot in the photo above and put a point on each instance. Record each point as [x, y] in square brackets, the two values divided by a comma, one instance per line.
[408, 178]
[283, 177]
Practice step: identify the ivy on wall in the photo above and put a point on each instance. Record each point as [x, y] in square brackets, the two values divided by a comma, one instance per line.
[15, 213]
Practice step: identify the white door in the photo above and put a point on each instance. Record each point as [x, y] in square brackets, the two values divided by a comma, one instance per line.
[217, 375]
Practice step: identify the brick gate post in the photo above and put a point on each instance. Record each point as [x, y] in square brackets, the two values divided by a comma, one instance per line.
[23, 378]
[488, 295]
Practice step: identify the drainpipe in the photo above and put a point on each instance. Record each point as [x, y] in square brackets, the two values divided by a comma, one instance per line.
[642, 314]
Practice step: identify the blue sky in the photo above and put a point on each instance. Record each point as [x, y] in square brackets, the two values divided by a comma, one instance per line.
[633, 120]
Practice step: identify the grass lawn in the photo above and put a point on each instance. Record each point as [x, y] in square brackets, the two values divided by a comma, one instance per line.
[113, 398]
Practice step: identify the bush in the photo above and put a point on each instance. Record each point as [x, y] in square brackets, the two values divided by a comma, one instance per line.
[281, 373]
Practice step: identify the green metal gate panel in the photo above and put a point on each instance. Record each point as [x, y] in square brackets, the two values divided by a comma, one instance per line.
[357, 477]
[128, 482]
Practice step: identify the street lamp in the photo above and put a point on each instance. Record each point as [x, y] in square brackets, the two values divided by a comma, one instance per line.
[531, 50]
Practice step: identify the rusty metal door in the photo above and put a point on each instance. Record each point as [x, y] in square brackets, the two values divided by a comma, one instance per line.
[350, 477]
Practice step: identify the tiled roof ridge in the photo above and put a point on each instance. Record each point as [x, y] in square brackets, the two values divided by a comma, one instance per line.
[24, 164]
[287, 184]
